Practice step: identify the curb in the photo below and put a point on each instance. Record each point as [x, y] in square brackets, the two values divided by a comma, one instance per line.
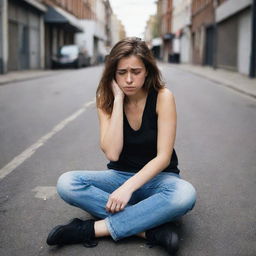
[226, 84]
[26, 78]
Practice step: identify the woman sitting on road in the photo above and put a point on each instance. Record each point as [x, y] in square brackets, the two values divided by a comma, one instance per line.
[141, 192]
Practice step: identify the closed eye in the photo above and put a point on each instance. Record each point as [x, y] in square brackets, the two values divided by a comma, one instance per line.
[136, 72]
[121, 72]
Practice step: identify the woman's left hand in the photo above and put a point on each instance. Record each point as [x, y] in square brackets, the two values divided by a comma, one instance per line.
[118, 199]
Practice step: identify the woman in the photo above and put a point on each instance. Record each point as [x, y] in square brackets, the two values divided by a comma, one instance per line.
[141, 192]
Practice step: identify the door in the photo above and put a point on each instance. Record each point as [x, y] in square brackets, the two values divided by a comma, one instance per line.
[209, 46]
[23, 47]
[13, 46]
[34, 44]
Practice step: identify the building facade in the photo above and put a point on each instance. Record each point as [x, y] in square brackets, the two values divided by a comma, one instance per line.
[117, 30]
[203, 32]
[234, 40]
[22, 35]
[216, 33]
[32, 31]
[151, 30]
[97, 31]
[166, 28]
[62, 22]
[181, 27]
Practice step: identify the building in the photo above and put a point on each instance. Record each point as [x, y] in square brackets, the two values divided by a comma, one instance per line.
[21, 35]
[152, 36]
[122, 32]
[96, 35]
[32, 31]
[61, 24]
[117, 30]
[150, 30]
[164, 9]
[203, 32]
[235, 44]
[181, 27]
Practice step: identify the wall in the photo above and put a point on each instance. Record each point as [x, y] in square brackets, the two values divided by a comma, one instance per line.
[202, 15]
[185, 41]
[85, 39]
[244, 42]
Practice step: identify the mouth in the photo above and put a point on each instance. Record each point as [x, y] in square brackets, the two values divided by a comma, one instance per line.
[129, 88]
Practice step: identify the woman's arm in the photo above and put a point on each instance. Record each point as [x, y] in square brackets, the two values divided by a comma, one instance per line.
[111, 127]
[167, 119]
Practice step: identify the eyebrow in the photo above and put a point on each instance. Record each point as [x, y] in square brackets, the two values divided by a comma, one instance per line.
[133, 69]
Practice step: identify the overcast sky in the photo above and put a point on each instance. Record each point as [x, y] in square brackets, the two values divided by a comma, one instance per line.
[134, 14]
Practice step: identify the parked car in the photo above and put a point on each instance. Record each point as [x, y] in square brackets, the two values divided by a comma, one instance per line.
[70, 56]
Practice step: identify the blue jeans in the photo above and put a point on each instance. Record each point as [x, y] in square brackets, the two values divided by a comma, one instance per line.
[162, 199]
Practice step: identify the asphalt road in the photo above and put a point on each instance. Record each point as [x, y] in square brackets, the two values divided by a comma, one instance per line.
[46, 129]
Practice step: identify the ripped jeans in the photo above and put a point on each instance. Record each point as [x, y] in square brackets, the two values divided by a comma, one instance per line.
[163, 198]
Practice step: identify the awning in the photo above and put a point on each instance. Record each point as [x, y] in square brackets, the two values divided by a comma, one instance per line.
[37, 5]
[57, 16]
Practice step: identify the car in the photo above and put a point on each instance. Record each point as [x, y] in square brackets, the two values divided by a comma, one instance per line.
[70, 56]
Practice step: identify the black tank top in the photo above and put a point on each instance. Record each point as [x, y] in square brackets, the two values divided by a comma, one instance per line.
[140, 146]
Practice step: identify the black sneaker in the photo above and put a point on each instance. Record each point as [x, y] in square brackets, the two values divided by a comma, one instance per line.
[77, 231]
[165, 236]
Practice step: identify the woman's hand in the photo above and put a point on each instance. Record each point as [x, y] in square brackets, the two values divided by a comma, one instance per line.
[116, 90]
[118, 199]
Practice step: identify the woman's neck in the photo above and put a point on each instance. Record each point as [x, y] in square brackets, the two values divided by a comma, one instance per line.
[137, 98]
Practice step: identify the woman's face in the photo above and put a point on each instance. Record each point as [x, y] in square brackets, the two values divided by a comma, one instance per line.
[130, 74]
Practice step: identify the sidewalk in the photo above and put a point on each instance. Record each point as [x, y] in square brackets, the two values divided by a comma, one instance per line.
[17, 76]
[233, 80]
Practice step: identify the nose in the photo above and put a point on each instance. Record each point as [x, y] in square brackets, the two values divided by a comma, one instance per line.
[129, 78]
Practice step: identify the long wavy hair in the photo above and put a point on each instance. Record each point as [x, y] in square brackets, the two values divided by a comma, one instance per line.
[131, 46]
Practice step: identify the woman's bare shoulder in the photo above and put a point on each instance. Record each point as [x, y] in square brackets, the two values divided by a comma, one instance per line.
[165, 96]
[165, 103]
[165, 99]
[165, 92]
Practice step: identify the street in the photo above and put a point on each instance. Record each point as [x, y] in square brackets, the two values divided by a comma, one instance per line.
[50, 124]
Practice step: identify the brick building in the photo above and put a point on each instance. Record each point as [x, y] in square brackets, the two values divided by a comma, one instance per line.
[164, 16]
[203, 32]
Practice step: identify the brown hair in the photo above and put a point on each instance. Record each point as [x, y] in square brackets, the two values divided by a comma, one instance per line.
[125, 48]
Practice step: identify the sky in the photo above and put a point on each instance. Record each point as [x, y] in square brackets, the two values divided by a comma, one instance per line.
[134, 14]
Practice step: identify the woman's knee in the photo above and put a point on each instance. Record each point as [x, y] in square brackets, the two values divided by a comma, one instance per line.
[64, 184]
[184, 197]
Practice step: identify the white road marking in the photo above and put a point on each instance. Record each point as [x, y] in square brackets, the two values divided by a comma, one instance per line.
[45, 192]
[18, 160]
